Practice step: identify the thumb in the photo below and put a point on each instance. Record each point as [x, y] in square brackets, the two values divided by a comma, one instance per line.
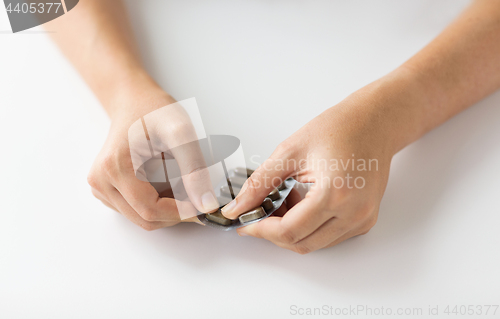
[256, 188]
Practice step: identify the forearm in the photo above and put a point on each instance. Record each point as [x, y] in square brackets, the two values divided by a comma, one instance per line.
[457, 69]
[96, 37]
[462, 65]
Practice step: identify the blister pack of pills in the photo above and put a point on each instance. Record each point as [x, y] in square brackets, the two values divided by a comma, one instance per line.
[230, 190]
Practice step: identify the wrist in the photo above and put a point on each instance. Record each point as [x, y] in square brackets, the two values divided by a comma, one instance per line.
[135, 96]
[392, 110]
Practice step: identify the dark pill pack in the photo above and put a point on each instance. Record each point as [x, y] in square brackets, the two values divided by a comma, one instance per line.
[270, 204]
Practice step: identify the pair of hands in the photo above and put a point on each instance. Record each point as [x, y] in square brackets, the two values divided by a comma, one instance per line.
[345, 152]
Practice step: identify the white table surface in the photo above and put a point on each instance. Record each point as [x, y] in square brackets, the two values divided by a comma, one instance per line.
[278, 64]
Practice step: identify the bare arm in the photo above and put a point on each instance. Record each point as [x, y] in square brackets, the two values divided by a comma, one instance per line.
[97, 38]
[457, 69]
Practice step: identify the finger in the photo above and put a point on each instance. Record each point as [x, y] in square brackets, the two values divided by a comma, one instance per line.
[144, 199]
[171, 129]
[300, 221]
[117, 200]
[193, 220]
[107, 204]
[363, 230]
[97, 194]
[293, 198]
[265, 178]
[341, 239]
[333, 229]
[280, 212]
[265, 229]
[329, 232]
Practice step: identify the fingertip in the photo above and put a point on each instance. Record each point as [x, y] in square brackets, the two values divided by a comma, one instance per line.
[229, 210]
[194, 220]
[209, 202]
[249, 230]
[241, 232]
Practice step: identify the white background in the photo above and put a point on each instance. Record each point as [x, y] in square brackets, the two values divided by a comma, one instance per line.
[259, 70]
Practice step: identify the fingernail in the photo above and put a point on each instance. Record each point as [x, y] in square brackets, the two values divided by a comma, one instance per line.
[209, 202]
[241, 233]
[194, 220]
[226, 210]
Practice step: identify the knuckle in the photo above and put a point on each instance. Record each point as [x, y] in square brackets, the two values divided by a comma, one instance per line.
[181, 129]
[108, 164]
[369, 210]
[121, 164]
[302, 249]
[252, 185]
[372, 222]
[357, 218]
[338, 198]
[92, 180]
[284, 150]
[197, 169]
[95, 192]
[365, 213]
[341, 194]
[149, 215]
[148, 226]
[366, 231]
[342, 227]
[287, 236]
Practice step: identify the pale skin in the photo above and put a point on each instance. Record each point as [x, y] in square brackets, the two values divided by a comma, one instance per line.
[457, 69]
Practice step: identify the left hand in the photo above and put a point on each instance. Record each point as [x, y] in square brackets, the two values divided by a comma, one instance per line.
[346, 152]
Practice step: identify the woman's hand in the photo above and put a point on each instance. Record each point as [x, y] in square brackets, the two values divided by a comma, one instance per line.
[457, 69]
[106, 55]
[125, 188]
[346, 152]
